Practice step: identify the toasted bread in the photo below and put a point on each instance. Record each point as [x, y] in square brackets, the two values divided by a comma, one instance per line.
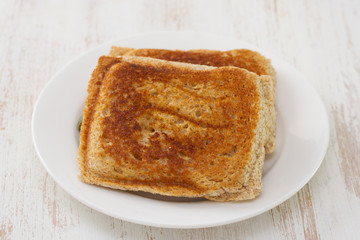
[242, 58]
[173, 129]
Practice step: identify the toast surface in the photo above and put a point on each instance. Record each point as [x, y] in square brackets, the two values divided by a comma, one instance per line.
[173, 129]
[242, 58]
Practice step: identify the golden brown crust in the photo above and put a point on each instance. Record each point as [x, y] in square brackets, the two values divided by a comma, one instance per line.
[95, 84]
[174, 129]
[242, 58]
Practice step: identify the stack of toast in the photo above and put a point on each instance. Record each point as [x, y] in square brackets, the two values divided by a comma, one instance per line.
[178, 123]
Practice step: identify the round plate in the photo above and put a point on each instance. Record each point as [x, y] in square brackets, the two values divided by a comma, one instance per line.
[302, 139]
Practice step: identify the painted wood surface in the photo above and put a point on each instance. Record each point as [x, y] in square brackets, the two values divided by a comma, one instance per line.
[320, 38]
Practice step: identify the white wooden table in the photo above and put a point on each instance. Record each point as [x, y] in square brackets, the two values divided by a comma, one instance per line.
[320, 38]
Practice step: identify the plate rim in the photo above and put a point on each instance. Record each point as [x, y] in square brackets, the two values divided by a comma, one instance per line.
[137, 221]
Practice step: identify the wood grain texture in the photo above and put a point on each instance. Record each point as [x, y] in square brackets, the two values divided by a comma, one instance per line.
[319, 38]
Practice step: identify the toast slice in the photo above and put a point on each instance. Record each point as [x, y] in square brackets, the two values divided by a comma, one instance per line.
[242, 58]
[173, 129]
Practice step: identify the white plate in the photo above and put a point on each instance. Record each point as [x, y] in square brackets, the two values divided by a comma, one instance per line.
[302, 138]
